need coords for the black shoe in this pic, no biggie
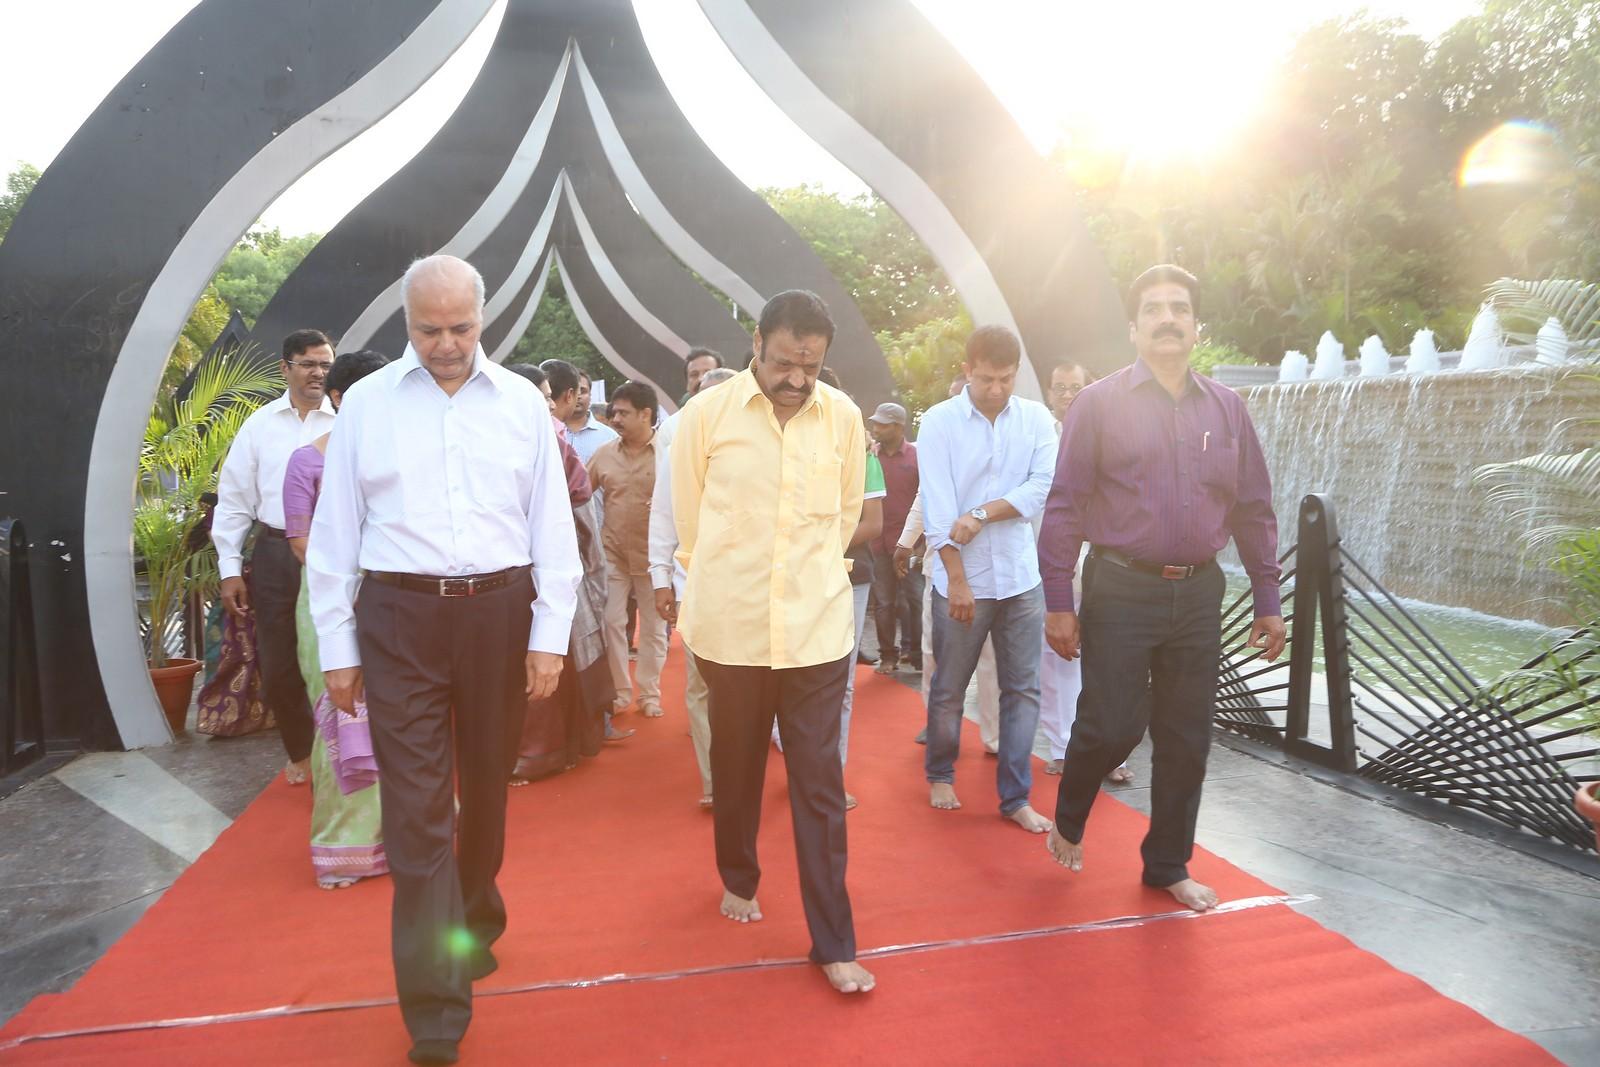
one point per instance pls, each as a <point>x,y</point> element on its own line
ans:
<point>922,738</point>
<point>433,1050</point>
<point>862,657</point>
<point>482,965</point>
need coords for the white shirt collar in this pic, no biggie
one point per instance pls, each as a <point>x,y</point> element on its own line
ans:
<point>284,403</point>
<point>481,365</point>
<point>969,408</point>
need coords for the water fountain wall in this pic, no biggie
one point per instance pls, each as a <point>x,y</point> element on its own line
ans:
<point>1397,453</point>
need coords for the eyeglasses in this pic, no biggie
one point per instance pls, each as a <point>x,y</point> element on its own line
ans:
<point>306,364</point>
<point>1066,390</point>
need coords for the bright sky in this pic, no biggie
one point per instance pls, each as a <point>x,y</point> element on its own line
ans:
<point>1051,62</point>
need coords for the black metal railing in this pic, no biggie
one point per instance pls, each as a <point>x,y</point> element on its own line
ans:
<point>21,716</point>
<point>1367,690</point>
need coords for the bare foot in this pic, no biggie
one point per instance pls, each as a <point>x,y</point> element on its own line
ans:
<point>297,771</point>
<point>650,711</point>
<point>1054,766</point>
<point>1191,894</point>
<point>739,909</point>
<point>1121,776</point>
<point>343,883</point>
<point>849,977</point>
<point>1063,851</point>
<point>1031,820</point>
<point>849,802</point>
<point>942,795</point>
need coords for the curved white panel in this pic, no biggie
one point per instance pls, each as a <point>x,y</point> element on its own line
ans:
<point>854,146</point>
<point>525,316</point>
<point>490,214</point>
<point>606,348</point>
<point>108,511</point>
<point>525,264</point>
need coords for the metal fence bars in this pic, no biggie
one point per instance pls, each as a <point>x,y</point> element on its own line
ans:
<point>1367,690</point>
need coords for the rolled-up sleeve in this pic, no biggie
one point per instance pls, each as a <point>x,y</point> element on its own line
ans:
<point>1062,533</point>
<point>1029,497</point>
<point>553,546</point>
<point>912,531</point>
<point>333,555</point>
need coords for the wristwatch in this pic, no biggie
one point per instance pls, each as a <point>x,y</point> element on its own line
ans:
<point>981,514</point>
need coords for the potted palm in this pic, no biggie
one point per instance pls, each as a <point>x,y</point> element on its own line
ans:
<point>185,442</point>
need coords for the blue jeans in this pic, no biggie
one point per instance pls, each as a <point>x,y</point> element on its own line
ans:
<point>1017,624</point>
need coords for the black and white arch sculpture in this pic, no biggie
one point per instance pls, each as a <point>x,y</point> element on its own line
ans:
<point>567,150</point>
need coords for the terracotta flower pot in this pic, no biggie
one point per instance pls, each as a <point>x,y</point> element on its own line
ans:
<point>174,686</point>
<point>1588,804</point>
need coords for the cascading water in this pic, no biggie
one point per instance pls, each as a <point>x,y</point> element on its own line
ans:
<point>1294,367</point>
<point>1485,348</point>
<point>1398,453</point>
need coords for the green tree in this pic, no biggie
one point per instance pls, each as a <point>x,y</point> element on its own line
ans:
<point>873,254</point>
<point>19,183</point>
<point>925,359</point>
<point>257,267</point>
<point>556,333</point>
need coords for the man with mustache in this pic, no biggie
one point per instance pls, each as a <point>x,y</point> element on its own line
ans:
<point>250,493</point>
<point>768,471</point>
<point>1158,467</point>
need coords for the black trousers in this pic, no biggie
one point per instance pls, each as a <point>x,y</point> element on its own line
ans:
<point>897,600</point>
<point>1150,649</point>
<point>807,702</point>
<point>445,682</point>
<point>274,589</point>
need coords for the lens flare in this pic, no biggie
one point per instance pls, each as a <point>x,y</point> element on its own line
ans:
<point>461,943</point>
<point>1513,154</point>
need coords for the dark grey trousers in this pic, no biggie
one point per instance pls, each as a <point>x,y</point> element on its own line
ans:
<point>274,589</point>
<point>807,702</point>
<point>1150,650</point>
<point>445,682</point>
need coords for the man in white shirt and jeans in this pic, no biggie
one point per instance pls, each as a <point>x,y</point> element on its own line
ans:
<point>250,493</point>
<point>985,460</point>
<point>443,484</point>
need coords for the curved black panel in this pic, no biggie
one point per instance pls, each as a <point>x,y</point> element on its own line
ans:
<point>731,221</point>
<point>103,221</point>
<point>874,59</point>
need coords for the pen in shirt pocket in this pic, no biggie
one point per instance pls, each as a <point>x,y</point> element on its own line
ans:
<point>1205,440</point>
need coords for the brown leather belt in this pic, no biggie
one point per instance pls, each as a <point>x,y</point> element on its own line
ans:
<point>1173,572</point>
<point>450,585</point>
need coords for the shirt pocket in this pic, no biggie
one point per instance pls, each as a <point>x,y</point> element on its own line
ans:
<point>1219,466</point>
<point>822,495</point>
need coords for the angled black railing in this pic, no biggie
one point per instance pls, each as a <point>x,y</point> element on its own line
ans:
<point>1367,690</point>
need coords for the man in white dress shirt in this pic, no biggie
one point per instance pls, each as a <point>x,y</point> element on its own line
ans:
<point>443,484</point>
<point>667,577</point>
<point>250,492</point>
<point>985,459</point>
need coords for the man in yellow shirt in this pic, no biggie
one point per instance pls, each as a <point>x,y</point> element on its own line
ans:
<point>767,476</point>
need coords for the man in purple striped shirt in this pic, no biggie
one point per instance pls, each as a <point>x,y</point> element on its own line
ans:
<point>1158,467</point>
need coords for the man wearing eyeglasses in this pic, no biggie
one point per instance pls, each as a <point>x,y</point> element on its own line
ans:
<point>250,493</point>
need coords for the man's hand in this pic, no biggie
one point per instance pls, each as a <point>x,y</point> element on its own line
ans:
<point>667,605</point>
<point>235,597</point>
<point>345,687</point>
<point>960,601</point>
<point>1270,633</point>
<point>964,529</point>
<point>544,671</point>
<point>902,561</point>
<point>1061,633</point>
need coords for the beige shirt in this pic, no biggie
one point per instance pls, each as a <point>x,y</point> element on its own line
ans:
<point>628,480</point>
<point>764,514</point>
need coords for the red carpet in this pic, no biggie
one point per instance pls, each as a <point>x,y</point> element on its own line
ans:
<point>609,871</point>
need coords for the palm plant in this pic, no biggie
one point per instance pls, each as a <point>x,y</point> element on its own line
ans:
<point>179,462</point>
<point>1554,496</point>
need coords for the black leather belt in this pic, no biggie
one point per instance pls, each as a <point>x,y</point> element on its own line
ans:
<point>1173,572</point>
<point>451,585</point>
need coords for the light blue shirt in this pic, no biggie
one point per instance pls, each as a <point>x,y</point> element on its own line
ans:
<point>594,434</point>
<point>965,461</point>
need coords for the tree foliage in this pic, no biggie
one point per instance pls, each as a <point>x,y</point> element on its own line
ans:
<point>556,333</point>
<point>257,267</point>
<point>19,183</point>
